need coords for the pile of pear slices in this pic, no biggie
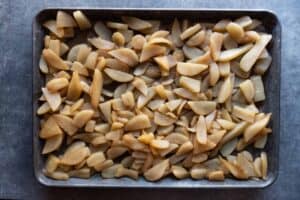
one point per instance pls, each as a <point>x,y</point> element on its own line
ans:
<point>135,97</point>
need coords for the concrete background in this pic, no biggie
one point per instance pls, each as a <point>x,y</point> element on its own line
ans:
<point>16,171</point>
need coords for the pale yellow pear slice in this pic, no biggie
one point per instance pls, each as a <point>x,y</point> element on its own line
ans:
<point>185,148</point>
<point>43,109</point>
<point>160,144</point>
<point>54,45</point>
<point>201,130</point>
<point>244,113</point>
<point>225,90</point>
<point>252,130</point>
<point>143,100</point>
<point>96,88</point>
<point>220,26</point>
<point>190,31</point>
<point>138,122</point>
<point>118,76</point>
<point>54,60</point>
<point>202,107</point>
<point>118,39</point>
<point>235,31</point>
<point>160,34</point>
<point>165,62</point>
<point>175,33</point>
<point>77,66</point>
<point>190,69</point>
<point>49,129</point>
<point>65,123</point>
<point>173,104</point>
<point>136,23</point>
<point>179,172</point>
<point>75,88</point>
<point>91,60</point>
<point>140,84</point>
<point>244,21</point>
<point>102,30</point>
<point>248,90</point>
<point>57,84</point>
<point>249,59</point>
<point>101,43</point>
<point>106,110</point>
<point>138,42</point>
<point>75,154</point>
<point>216,41</point>
<point>82,21</point>
<point>51,26</point>
<point>162,119</point>
<point>160,41</point>
<point>63,19</point>
<point>151,50</point>
<point>157,171</point>
<point>214,73</point>
<point>125,55</point>
<point>54,99</point>
<point>95,159</point>
<point>52,144</point>
<point>82,117</point>
<point>191,84</point>
<point>231,54</point>
<point>196,39</point>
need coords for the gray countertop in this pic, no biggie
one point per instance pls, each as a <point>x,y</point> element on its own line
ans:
<point>16,171</point>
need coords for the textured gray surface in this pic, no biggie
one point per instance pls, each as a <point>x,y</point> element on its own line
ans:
<point>16,172</point>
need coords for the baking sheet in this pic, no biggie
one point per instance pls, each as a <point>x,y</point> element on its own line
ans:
<point>272,87</point>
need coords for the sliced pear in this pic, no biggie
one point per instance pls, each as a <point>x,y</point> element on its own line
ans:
<point>231,54</point>
<point>77,66</point>
<point>63,19</point>
<point>190,69</point>
<point>249,59</point>
<point>138,122</point>
<point>196,39</point>
<point>201,130</point>
<point>101,43</point>
<point>141,85</point>
<point>163,120</point>
<point>54,99</point>
<point>49,129</point>
<point>190,31</point>
<point>220,26</point>
<point>136,23</point>
<point>125,55</point>
<point>82,117</point>
<point>216,41</point>
<point>191,84</point>
<point>57,84</point>
<point>54,60</point>
<point>75,154</point>
<point>101,29</point>
<point>75,88</point>
<point>65,123</point>
<point>118,76</point>
<point>252,130</point>
<point>202,107</point>
<point>157,171</point>
<point>96,88</point>
<point>235,31</point>
<point>225,90</point>
<point>52,144</point>
<point>82,21</point>
<point>151,50</point>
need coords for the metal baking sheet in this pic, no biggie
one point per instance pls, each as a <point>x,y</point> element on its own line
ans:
<point>271,80</point>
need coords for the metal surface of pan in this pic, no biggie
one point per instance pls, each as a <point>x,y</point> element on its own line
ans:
<point>271,104</point>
